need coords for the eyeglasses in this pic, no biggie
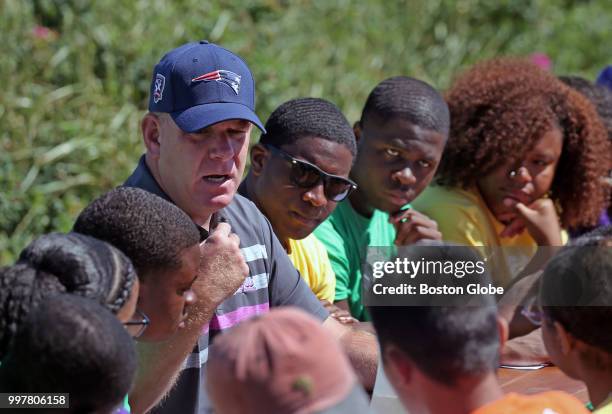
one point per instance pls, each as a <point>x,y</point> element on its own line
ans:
<point>306,175</point>
<point>137,325</point>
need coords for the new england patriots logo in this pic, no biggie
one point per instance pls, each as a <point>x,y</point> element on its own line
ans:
<point>158,87</point>
<point>225,77</point>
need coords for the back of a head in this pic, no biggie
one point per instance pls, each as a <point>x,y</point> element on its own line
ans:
<point>282,362</point>
<point>57,263</point>
<point>462,337</point>
<point>410,99</point>
<point>151,231</point>
<point>576,288</point>
<point>308,117</point>
<point>70,344</point>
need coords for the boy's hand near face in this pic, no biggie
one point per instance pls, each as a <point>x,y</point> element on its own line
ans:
<point>222,267</point>
<point>541,221</point>
<point>412,226</point>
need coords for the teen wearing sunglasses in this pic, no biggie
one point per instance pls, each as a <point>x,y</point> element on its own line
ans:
<point>400,139</point>
<point>299,173</point>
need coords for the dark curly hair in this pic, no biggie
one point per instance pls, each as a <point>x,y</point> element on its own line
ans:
<point>151,231</point>
<point>302,117</point>
<point>62,263</point>
<point>501,108</point>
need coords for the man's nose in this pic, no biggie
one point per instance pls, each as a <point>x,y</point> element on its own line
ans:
<point>221,148</point>
<point>405,176</point>
<point>316,195</point>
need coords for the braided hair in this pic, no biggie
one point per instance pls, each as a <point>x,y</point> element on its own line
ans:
<point>62,263</point>
<point>72,344</point>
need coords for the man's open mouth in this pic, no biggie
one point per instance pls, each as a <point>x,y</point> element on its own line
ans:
<point>216,178</point>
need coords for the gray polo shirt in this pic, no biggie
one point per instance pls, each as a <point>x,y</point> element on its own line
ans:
<point>272,281</point>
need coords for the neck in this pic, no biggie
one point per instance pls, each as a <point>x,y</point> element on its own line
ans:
<point>251,193</point>
<point>464,397</point>
<point>360,204</point>
<point>598,383</point>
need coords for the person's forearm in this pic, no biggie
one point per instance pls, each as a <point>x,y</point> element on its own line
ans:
<point>362,350</point>
<point>159,364</point>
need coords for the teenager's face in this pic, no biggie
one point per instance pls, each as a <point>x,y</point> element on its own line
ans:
<point>201,171</point>
<point>396,160</point>
<point>294,211</point>
<point>166,295</point>
<point>524,181</point>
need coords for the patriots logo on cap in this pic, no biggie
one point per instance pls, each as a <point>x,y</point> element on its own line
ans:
<point>225,77</point>
<point>158,87</point>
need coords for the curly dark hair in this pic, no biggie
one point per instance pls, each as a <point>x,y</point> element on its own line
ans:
<point>303,117</point>
<point>62,263</point>
<point>151,231</point>
<point>501,108</point>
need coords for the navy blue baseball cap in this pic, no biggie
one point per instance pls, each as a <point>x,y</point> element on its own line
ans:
<point>200,84</point>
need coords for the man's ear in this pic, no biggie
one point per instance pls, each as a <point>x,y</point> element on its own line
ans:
<point>259,157</point>
<point>357,130</point>
<point>398,367</point>
<point>151,131</point>
<point>566,341</point>
<point>503,329</point>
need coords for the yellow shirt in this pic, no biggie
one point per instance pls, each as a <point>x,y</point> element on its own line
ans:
<point>464,218</point>
<point>310,258</point>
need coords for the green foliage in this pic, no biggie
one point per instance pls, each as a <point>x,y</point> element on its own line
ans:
<point>72,97</point>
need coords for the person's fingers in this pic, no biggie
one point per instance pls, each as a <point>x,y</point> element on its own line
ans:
<point>222,229</point>
<point>515,227</point>
<point>413,232</point>
<point>525,212</point>
<point>401,216</point>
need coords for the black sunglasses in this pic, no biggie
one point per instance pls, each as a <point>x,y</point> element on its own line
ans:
<point>137,326</point>
<point>306,175</point>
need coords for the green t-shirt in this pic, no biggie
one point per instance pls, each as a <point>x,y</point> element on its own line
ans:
<point>346,235</point>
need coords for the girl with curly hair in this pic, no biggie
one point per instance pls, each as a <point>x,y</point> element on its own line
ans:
<point>525,159</point>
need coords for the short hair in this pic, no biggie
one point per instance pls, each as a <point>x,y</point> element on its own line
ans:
<point>151,231</point>
<point>462,340</point>
<point>599,96</point>
<point>303,117</point>
<point>501,108</point>
<point>410,99</point>
<point>576,288</point>
<point>58,263</point>
<point>70,344</point>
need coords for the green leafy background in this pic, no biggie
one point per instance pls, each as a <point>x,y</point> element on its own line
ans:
<point>72,96</point>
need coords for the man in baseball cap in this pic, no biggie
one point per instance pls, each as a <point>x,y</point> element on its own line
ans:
<point>196,134</point>
<point>200,84</point>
